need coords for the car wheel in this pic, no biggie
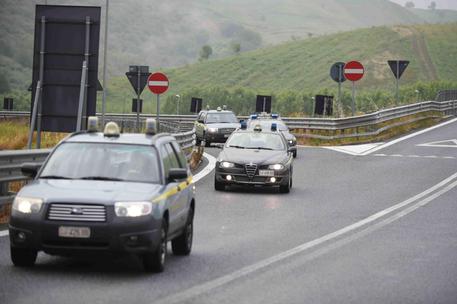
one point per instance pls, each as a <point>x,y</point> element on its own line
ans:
<point>198,142</point>
<point>286,188</point>
<point>294,154</point>
<point>155,261</point>
<point>218,185</point>
<point>182,245</point>
<point>22,257</point>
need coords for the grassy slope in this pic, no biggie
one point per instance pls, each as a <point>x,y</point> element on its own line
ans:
<point>305,64</point>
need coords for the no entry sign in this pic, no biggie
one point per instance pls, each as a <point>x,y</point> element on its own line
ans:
<point>354,70</point>
<point>158,83</point>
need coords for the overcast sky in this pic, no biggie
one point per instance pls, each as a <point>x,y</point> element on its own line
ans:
<point>443,4</point>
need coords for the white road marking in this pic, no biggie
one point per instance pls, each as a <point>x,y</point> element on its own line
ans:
<point>209,167</point>
<point>393,142</point>
<point>396,155</point>
<point>210,285</point>
<point>430,156</point>
<point>380,154</point>
<point>205,171</point>
<point>450,143</point>
<point>354,149</point>
<point>415,156</point>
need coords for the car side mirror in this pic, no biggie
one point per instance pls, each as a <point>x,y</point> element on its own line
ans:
<point>30,169</point>
<point>177,174</point>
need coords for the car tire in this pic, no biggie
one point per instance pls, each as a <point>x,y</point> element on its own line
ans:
<point>23,257</point>
<point>182,245</point>
<point>198,142</point>
<point>207,144</point>
<point>218,186</point>
<point>155,261</point>
<point>294,154</point>
<point>286,188</point>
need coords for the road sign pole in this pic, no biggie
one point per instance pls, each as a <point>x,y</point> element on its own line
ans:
<point>34,114</point>
<point>158,113</point>
<point>138,102</point>
<point>397,78</point>
<point>264,104</point>
<point>339,104</point>
<point>41,76</point>
<point>353,98</point>
<point>82,90</point>
<point>105,51</point>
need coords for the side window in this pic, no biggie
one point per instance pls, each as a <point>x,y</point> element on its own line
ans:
<point>182,159</point>
<point>203,117</point>
<point>165,159</point>
<point>174,163</point>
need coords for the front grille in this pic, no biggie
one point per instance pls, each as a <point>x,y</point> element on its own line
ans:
<point>226,130</point>
<point>251,169</point>
<point>77,212</point>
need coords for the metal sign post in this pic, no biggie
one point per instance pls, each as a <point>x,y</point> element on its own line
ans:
<point>337,74</point>
<point>138,93</point>
<point>398,67</point>
<point>158,113</point>
<point>34,114</point>
<point>353,99</point>
<point>82,93</point>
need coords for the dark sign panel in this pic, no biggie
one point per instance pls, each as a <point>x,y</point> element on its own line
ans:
<point>337,72</point>
<point>135,105</point>
<point>196,105</point>
<point>64,45</point>
<point>324,105</point>
<point>263,104</point>
<point>398,67</point>
<point>8,104</point>
<point>132,75</point>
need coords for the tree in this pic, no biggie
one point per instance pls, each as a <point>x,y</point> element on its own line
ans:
<point>236,47</point>
<point>432,5</point>
<point>410,4</point>
<point>205,52</point>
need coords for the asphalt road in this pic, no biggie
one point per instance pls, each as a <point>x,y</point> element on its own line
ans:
<point>379,228</point>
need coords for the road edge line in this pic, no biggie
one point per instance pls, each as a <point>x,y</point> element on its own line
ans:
<point>393,142</point>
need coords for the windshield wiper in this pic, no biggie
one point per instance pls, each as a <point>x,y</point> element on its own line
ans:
<point>102,178</point>
<point>238,147</point>
<point>55,177</point>
<point>259,148</point>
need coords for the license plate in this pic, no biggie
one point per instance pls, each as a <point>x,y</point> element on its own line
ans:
<point>266,173</point>
<point>74,232</point>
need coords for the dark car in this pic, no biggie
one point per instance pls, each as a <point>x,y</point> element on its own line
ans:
<point>266,121</point>
<point>106,193</point>
<point>215,126</point>
<point>258,157</point>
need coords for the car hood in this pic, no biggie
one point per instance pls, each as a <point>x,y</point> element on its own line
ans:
<point>89,191</point>
<point>223,125</point>
<point>246,156</point>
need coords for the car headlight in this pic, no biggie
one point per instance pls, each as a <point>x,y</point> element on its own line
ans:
<point>27,204</point>
<point>212,130</point>
<point>276,167</point>
<point>132,209</point>
<point>226,164</point>
<point>292,142</point>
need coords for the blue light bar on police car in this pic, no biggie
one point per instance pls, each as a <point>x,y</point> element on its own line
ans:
<point>253,116</point>
<point>274,127</point>
<point>243,124</point>
<point>274,115</point>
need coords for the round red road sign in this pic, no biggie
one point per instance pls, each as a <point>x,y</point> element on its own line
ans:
<point>158,83</point>
<point>354,70</point>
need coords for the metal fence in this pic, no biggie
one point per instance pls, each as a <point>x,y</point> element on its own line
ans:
<point>11,161</point>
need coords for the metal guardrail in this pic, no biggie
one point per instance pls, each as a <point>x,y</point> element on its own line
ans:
<point>11,161</point>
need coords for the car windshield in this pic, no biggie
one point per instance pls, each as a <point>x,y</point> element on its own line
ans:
<point>221,118</point>
<point>266,124</point>
<point>256,140</point>
<point>99,161</point>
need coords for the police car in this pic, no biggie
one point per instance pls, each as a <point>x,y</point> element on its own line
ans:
<point>259,157</point>
<point>106,193</point>
<point>266,120</point>
<point>215,126</point>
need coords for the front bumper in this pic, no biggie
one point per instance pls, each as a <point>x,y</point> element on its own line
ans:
<point>240,177</point>
<point>115,236</point>
<point>216,137</point>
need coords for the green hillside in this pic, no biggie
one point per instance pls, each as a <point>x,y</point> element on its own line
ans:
<point>164,34</point>
<point>431,49</point>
